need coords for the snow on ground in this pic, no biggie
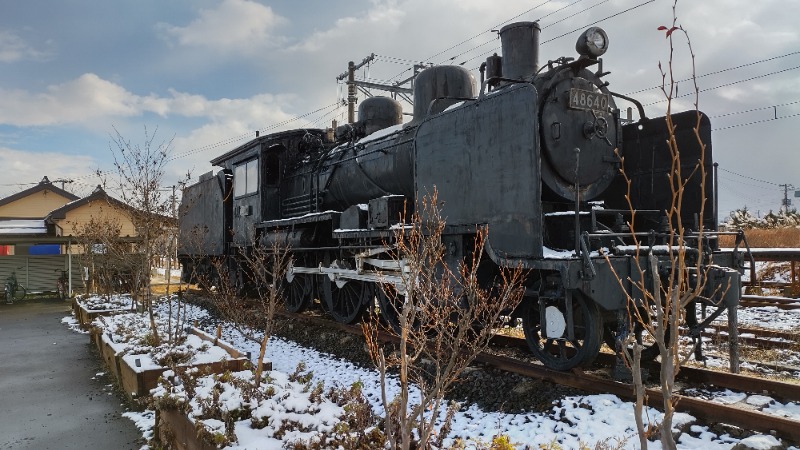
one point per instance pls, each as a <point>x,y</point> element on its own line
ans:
<point>571,422</point>
<point>72,323</point>
<point>98,303</point>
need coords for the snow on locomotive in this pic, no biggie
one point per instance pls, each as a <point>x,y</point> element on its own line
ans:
<point>531,154</point>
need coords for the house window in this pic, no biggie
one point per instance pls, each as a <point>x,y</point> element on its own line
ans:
<point>245,178</point>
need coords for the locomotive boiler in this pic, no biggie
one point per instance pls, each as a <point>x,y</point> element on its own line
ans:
<point>533,151</point>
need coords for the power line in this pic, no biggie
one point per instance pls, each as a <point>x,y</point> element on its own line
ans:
<point>770,189</point>
<point>762,108</point>
<point>716,72</point>
<point>479,34</point>
<point>756,122</point>
<point>245,136</point>
<point>748,177</point>
<point>732,83</point>
<point>600,20</point>
<point>539,19</point>
<point>497,26</point>
<point>619,13</point>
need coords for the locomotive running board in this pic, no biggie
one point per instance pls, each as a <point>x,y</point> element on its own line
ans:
<point>342,276</point>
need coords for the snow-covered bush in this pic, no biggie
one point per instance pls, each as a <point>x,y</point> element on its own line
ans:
<point>744,219</point>
<point>106,302</point>
<point>228,409</point>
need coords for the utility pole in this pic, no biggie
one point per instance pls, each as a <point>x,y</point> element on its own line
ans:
<point>62,181</point>
<point>351,85</point>
<point>172,248</point>
<point>786,202</point>
<point>396,88</point>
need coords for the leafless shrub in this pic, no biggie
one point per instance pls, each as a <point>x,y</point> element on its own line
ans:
<point>265,268</point>
<point>446,318</point>
<point>140,175</point>
<point>657,303</point>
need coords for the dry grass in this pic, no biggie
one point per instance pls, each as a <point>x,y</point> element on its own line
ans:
<point>775,238</point>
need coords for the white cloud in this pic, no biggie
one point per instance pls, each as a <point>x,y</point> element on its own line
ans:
<point>24,168</point>
<point>382,20</point>
<point>14,48</point>
<point>81,100</point>
<point>89,99</point>
<point>239,26</point>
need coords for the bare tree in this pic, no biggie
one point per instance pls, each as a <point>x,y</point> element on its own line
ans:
<point>102,252</point>
<point>445,318</point>
<point>266,266</point>
<point>140,175</point>
<point>657,303</point>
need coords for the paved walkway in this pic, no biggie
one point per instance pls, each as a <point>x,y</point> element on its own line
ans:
<point>50,394</point>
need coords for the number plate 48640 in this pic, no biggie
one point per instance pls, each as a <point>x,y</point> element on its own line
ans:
<point>582,99</point>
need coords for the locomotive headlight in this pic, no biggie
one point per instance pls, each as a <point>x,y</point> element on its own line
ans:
<point>592,43</point>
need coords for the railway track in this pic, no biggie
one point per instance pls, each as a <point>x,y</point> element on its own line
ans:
<point>705,410</point>
<point>755,301</point>
<point>756,337</point>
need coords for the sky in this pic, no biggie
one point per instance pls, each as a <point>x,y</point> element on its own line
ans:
<point>205,75</point>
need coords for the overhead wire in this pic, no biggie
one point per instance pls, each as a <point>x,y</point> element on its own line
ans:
<point>619,13</point>
<point>762,108</point>
<point>477,35</point>
<point>717,72</point>
<point>245,136</point>
<point>732,83</point>
<point>748,177</point>
<point>539,19</point>
<point>756,122</point>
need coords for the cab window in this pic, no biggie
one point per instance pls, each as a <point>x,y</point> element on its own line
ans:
<point>245,178</point>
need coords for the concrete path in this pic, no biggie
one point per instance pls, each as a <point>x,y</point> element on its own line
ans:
<point>50,394</point>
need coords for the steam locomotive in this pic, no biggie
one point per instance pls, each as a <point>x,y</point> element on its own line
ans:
<point>535,154</point>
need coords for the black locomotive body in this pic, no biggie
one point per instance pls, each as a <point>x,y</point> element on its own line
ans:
<point>534,155</point>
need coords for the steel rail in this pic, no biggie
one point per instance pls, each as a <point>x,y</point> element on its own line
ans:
<point>701,409</point>
<point>786,391</point>
<point>754,301</point>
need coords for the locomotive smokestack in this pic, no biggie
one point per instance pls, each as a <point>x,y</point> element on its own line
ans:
<point>520,44</point>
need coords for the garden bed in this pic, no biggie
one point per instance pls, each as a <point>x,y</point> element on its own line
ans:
<point>218,410</point>
<point>125,344</point>
<point>175,430</point>
<point>86,310</point>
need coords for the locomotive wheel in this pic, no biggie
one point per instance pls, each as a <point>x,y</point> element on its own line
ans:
<point>348,303</point>
<point>554,348</point>
<point>649,348</point>
<point>391,304</point>
<point>299,293</point>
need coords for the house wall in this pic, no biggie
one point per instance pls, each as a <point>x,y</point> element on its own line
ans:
<point>77,219</point>
<point>36,205</point>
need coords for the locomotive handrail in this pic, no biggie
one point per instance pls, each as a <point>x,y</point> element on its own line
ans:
<point>589,272</point>
<point>642,116</point>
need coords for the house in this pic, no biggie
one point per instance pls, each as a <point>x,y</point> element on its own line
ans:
<point>101,230</point>
<point>40,233</point>
<point>73,218</point>
<point>22,219</point>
